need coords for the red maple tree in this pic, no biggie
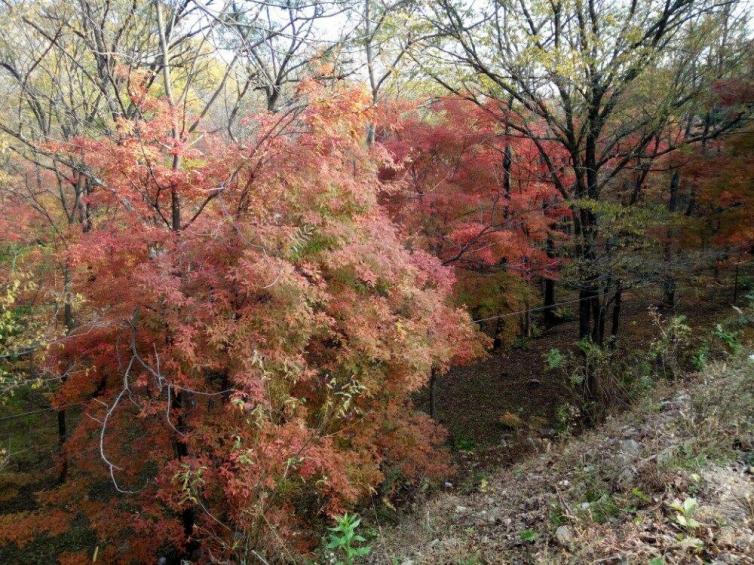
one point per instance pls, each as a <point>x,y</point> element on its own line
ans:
<point>249,329</point>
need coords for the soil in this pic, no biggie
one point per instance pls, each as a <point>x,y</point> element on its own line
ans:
<point>612,495</point>
<point>471,400</point>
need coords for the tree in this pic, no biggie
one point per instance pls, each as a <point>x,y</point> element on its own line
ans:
<point>384,51</point>
<point>577,75</point>
<point>475,196</point>
<point>68,70</point>
<point>248,368</point>
<point>277,43</point>
<point>724,194</point>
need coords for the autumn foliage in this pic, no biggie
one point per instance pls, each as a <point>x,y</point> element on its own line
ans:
<point>475,194</point>
<point>238,327</point>
<point>248,329</point>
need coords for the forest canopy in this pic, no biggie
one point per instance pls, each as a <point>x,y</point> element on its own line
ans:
<point>241,239</point>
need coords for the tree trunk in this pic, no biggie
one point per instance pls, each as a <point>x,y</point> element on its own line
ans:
<point>497,342</point>
<point>616,313</point>
<point>188,515</point>
<point>586,295</point>
<point>183,399</point>
<point>549,290</point>
<point>549,303</point>
<point>525,321</point>
<point>588,290</point>
<point>600,310</point>
<point>669,283</point>
<point>61,414</point>
<point>432,393</point>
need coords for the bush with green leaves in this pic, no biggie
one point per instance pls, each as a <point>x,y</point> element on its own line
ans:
<point>344,544</point>
<point>554,359</point>
<point>725,337</point>
<point>670,349</point>
<point>728,336</point>
<point>700,358</point>
<point>602,377</point>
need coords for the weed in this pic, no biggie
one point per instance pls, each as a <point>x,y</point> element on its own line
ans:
<point>684,514</point>
<point>670,348</point>
<point>554,359</point>
<point>521,342</point>
<point>511,421</point>
<point>345,542</point>
<point>463,443</point>
<point>700,357</point>
<point>557,516</point>
<point>729,337</point>
<point>476,482</point>
<point>602,507</point>
<point>567,416</point>
<point>529,536</point>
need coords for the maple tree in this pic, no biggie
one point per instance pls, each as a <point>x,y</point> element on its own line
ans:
<point>719,173</point>
<point>478,197</point>
<point>249,331</point>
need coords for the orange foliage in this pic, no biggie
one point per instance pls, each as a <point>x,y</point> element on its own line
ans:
<point>473,193</point>
<point>247,366</point>
<point>22,527</point>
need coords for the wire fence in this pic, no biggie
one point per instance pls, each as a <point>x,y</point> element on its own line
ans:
<point>7,454</point>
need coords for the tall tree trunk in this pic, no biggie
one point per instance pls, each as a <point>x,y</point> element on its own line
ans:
<point>549,303</point>
<point>432,393</point>
<point>69,323</point>
<point>617,299</point>
<point>588,292</point>
<point>497,341</point>
<point>549,288</point>
<point>586,298</point>
<point>669,283</point>
<point>183,398</point>
<point>600,311</point>
<point>525,321</point>
<point>587,230</point>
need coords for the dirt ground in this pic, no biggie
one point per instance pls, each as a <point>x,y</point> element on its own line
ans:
<point>471,400</point>
<point>670,481</point>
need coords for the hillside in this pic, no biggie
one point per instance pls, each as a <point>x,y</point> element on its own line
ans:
<point>620,493</point>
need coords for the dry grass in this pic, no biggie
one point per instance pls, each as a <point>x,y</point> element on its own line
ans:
<point>611,488</point>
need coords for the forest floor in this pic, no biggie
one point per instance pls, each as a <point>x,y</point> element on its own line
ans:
<point>528,493</point>
<point>669,481</point>
<point>471,400</point>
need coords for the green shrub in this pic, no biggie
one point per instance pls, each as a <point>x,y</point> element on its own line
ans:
<point>344,543</point>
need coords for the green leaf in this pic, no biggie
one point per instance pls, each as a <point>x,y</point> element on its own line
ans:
<point>528,535</point>
<point>689,505</point>
<point>692,543</point>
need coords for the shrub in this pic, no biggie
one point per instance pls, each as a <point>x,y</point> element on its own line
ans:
<point>246,358</point>
<point>603,377</point>
<point>345,542</point>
